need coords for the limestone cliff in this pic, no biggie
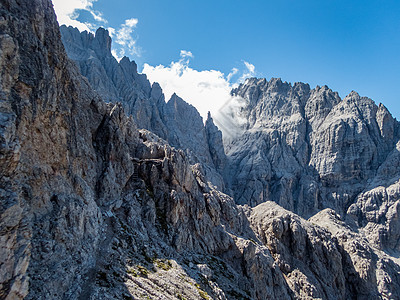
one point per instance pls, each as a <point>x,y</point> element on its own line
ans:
<point>307,150</point>
<point>94,208</point>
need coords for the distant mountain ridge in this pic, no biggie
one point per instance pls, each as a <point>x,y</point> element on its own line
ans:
<point>307,150</point>
<point>108,192</point>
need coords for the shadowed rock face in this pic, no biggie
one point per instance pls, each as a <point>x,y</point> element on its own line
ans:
<point>94,208</point>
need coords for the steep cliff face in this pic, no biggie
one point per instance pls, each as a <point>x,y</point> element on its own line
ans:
<point>48,116</point>
<point>310,144</point>
<point>115,82</point>
<point>94,208</point>
<point>322,258</point>
<point>215,143</point>
<point>308,150</point>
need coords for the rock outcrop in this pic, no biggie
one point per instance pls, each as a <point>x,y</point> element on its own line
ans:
<point>93,206</point>
<point>314,149</point>
<point>322,258</point>
<point>115,82</point>
<point>215,143</point>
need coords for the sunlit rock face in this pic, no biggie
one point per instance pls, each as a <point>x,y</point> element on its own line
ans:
<point>307,149</point>
<point>312,149</point>
<point>108,192</point>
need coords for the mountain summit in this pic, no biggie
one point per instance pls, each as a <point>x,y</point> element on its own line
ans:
<point>109,192</point>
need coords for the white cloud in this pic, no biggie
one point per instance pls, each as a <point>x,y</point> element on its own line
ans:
<point>66,12</point>
<point>111,31</point>
<point>207,90</point>
<point>232,73</point>
<point>250,67</point>
<point>98,16</point>
<point>125,39</point>
<point>130,23</point>
<point>250,72</point>
<point>185,54</point>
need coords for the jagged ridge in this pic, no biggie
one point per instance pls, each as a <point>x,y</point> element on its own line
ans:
<point>94,208</point>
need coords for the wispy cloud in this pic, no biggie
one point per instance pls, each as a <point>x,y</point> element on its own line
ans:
<point>125,43</point>
<point>250,71</point>
<point>186,54</point>
<point>232,73</point>
<point>125,39</point>
<point>98,16</point>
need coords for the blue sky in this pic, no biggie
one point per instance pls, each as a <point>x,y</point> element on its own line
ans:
<point>347,45</point>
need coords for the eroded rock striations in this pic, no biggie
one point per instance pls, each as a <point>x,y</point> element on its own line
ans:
<point>94,208</point>
<point>307,150</point>
<point>97,204</point>
<point>315,149</point>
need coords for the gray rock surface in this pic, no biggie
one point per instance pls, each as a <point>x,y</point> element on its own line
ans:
<point>94,208</point>
<point>370,272</point>
<point>322,258</point>
<point>215,144</point>
<point>88,201</point>
<point>308,150</point>
<point>115,82</point>
<point>313,149</point>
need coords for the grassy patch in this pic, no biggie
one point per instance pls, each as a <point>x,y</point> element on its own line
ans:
<point>203,294</point>
<point>143,271</point>
<point>164,265</point>
<point>253,241</point>
<point>132,271</point>
<point>180,297</point>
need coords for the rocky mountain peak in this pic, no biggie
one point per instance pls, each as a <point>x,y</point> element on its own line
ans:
<point>157,94</point>
<point>275,85</point>
<point>319,104</point>
<point>301,88</point>
<point>179,104</point>
<point>215,144</point>
<point>107,192</point>
<point>80,42</point>
<point>387,124</point>
<point>102,41</point>
<point>126,63</point>
<point>353,95</point>
<point>294,124</point>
